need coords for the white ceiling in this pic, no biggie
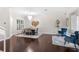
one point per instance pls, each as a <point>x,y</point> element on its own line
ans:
<point>43,10</point>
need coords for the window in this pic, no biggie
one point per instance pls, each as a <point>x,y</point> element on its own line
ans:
<point>20,24</point>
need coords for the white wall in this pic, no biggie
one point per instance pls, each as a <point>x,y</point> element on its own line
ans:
<point>13,21</point>
<point>4,17</point>
<point>77,23</point>
<point>27,22</point>
<point>47,18</point>
<point>73,22</point>
<point>48,24</point>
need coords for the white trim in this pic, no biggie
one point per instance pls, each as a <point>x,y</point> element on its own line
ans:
<point>4,40</point>
<point>9,37</point>
<point>49,33</point>
<point>3,28</point>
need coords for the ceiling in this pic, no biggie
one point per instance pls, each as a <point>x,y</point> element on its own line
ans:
<point>24,11</point>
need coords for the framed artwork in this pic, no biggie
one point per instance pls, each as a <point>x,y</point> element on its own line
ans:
<point>57,23</point>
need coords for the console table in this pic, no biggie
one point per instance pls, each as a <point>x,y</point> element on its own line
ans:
<point>28,36</point>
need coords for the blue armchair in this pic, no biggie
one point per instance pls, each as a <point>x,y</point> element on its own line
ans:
<point>63,31</point>
<point>72,38</point>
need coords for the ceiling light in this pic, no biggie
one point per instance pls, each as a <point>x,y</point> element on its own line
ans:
<point>30,13</point>
<point>29,17</point>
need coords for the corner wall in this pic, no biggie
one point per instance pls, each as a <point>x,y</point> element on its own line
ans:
<point>4,19</point>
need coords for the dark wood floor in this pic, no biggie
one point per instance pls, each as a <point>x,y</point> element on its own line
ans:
<point>42,44</point>
<point>1,45</point>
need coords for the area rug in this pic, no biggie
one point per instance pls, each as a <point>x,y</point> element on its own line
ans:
<point>59,40</point>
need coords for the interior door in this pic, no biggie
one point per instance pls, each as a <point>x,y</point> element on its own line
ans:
<point>73,23</point>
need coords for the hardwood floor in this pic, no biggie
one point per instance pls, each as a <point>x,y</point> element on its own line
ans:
<point>1,46</point>
<point>7,45</point>
<point>42,44</point>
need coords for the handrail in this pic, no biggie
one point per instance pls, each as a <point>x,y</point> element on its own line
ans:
<point>3,28</point>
